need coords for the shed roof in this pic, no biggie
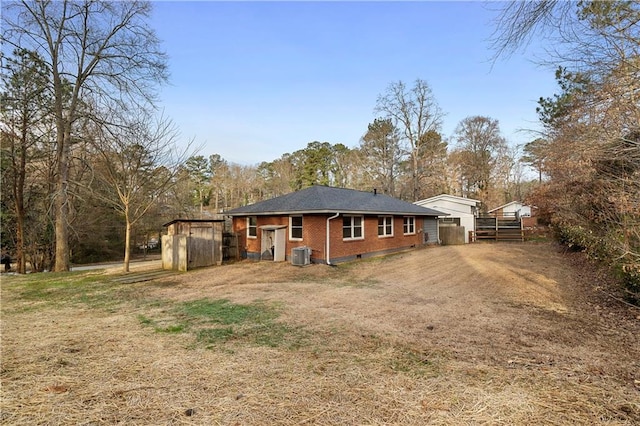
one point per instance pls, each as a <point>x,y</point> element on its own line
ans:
<point>193,221</point>
<point>327,199</point>
<point>451,198</point>
<point>512,203</point>
<point>453,212</point>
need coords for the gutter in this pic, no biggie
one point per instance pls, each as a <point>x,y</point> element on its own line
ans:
<point>329,239</point>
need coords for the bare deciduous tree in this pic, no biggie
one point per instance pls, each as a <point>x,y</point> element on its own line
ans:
<point>480,146</point>
<point>137,163</point>
<point>99,48</point>
<point>520,21</point>
<point>414,111</point>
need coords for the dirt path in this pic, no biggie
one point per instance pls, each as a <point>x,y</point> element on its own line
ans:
<point>486,333</point>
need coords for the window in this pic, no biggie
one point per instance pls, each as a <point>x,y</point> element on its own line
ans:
<point>385,226</point>
<point>409,225</point>
<point>449,221</point>
<point>352,228</point>
<point>252,227</point>
<point>295,227</point>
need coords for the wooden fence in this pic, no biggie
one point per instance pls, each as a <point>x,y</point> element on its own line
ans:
<point>451,235</point>
<point>499,229</point>
<point>230,246</point>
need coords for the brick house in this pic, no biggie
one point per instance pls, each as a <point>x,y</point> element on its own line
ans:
<point>335,224</point>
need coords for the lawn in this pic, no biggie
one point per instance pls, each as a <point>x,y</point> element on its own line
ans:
<point>477,334</point>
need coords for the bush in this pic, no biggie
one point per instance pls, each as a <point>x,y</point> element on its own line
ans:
<point>630,275</point>
<point>602,247</point>
<point>578,238</point>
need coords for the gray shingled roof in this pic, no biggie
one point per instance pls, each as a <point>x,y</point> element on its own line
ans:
<point>326,199</point>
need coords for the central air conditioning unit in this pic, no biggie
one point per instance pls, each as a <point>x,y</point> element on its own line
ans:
<point>301,256</point>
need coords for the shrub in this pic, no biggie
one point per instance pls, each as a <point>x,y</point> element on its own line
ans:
<point>603,246</point>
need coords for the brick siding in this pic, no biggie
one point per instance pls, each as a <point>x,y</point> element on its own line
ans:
<point>314,236</point>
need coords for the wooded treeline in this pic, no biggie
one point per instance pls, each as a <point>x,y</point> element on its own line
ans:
<point>480,165</point>
<point>85,154</point>
<point>89,165</point>
<point>588,155</point>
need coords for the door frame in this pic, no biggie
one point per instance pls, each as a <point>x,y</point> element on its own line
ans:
<point>274,240</point>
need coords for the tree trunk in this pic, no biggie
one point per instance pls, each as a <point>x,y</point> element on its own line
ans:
<point>201,203</point>
<point>20,255</point>
<point>62,205</point>
<point>415,178</point>
<point>18,193</point>
<point>127,243</point>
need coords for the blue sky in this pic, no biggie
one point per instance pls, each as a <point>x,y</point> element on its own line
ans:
<point>254,80</point>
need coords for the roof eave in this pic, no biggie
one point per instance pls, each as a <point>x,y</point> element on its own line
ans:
<point>192,221</point>
<point>452,198</point>
<point>324,211</point>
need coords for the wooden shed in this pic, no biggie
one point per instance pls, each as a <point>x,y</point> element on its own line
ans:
<point>192,243</point>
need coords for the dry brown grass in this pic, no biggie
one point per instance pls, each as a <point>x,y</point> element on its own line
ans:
<point>480,334</point>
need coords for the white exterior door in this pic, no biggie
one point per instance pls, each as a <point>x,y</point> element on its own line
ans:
<point>273,244</point>
<point>279,250</point>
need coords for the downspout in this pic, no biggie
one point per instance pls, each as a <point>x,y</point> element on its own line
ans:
<point>329,239</point>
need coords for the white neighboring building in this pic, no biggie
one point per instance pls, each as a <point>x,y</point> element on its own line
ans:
<point>512,209</point>
<point>462,211</point>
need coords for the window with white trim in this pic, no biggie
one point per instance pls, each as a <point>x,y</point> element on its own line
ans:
<point>352,227</point>
<point>385,226</point>
<point>252,227</point>
<point>295,227</point>
<point>409,225</point>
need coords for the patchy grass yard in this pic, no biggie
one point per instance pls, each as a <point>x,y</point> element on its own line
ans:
<point>478,334</point>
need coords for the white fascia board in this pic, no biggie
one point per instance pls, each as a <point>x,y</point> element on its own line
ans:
<point>453,213</point>
<point>452,198</point>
